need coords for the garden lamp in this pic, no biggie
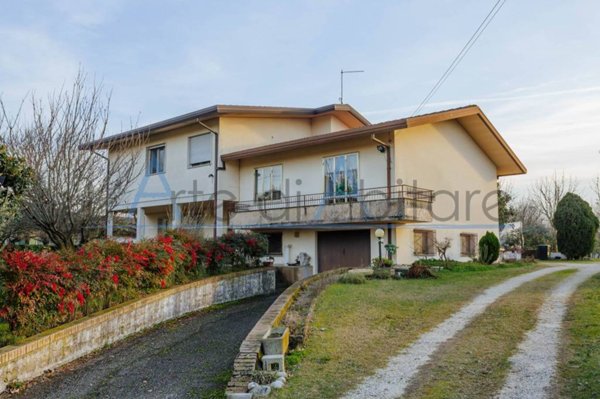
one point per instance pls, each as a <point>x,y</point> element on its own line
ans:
<point>379,233</point>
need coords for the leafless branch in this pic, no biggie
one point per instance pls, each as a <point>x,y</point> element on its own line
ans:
<point>548,191</point>
<point>72,187</point>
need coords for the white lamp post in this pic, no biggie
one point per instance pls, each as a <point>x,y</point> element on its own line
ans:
<point>379,233</point>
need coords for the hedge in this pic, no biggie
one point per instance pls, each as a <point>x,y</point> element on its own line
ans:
<point>43,290</point>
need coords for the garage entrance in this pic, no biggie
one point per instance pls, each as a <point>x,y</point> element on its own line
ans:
<point>345,248</point>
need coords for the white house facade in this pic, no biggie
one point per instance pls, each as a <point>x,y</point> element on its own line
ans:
<point>321,181</point>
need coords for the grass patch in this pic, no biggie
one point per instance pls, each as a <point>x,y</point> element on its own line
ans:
<point>474,364</point>
<point>213,393</point>
<point>352,278</point>
<point>584,261</point>
<point>579,369</point>
<point>456,266</point>
<point>356,328</point>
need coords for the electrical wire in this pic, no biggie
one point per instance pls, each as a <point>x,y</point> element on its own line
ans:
<point>463,52</point>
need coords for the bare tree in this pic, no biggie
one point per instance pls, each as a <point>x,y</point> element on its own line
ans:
<point>548,191</point>
<point>535,229</point>
<point>74,184</point>
<point>442,248</point>
<point>506,196</point>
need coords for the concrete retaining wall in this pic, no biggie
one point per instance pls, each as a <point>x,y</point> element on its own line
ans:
<point>66,343</point>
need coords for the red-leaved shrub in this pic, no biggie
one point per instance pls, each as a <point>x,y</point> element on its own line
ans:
<point>43,290</point>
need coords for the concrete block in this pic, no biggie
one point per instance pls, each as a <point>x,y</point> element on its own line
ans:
<point>273,362</point>
<point>239,395</point>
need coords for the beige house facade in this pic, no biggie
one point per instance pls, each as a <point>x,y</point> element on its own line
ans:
<point>320,181</point>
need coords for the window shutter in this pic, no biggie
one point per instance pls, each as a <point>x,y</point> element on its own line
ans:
<point>473,245</point>
<point>418,242</point>
<point>200,151</point>
<point>430,242</point>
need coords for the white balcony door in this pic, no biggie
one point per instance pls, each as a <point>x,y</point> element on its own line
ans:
<point>341,176</point>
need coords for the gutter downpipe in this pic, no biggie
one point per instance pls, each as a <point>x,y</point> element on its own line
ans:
<point>215,176</point>
<point>388,158</point>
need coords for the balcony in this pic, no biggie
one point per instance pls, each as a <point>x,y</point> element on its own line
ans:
<point>398,204</point>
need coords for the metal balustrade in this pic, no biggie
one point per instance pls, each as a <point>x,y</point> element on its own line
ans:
<point>419,196</point>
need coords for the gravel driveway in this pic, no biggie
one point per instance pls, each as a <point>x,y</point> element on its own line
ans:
<point>186,358</point>
<point>533,367</point>
<point>391,381</point>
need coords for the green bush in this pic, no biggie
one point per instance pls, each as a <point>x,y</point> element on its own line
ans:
<point>44,289</point>
<point>381,273</point>
<point>294,357</point>
<point>489,248</point>
<point>6,336</point>
<point>384,262</point>
<point>576,226</point>
<point>352,278</point>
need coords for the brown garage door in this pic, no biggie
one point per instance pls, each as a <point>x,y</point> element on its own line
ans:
<point>351,248</point>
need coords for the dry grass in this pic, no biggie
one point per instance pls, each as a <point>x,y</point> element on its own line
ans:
<point>579,369</point>
<point>474,364</point>
<point>358,327</point>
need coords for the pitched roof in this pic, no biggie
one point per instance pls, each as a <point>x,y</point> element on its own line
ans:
<point>352,116</point>
<point>470,117</point>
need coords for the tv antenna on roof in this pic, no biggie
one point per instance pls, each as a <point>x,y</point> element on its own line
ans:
<point>342,72</point>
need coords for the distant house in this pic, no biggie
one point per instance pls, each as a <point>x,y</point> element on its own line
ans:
<point>320,181</point>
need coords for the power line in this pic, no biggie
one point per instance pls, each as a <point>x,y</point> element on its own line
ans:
<point>478,32</point>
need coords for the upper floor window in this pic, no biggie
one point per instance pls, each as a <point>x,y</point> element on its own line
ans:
<point>468,244</point>
<point>155,160</point>
<point>341,175</point>
<point>268,182</point>
<point>199,150</point>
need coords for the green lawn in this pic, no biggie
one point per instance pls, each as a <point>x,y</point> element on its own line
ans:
<point>580,365</point>
<point>358,327</point>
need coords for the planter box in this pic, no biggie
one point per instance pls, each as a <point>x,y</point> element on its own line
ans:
<point>291,274</point>
<point>277,342</point>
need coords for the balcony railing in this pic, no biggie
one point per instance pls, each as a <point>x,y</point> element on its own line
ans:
<point>399,192</point>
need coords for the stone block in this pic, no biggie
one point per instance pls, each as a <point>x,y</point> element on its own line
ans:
<point>273,362</point>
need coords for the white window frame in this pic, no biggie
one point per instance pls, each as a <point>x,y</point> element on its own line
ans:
<point>357,153</point>
<point>256,181</point>
<point>148,152</point>
<point>189,144</point>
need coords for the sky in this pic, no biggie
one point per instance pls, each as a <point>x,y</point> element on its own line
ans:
<point>535,71</point>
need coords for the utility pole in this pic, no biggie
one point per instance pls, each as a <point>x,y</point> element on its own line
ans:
<point>342,72</point>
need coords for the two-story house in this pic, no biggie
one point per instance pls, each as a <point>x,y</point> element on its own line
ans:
<point>321,181</point>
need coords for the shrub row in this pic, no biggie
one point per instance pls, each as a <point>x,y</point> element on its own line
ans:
<point>42,290</point>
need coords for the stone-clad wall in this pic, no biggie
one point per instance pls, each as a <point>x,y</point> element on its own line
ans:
<point>251,348</point>
<point>66,343</point>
